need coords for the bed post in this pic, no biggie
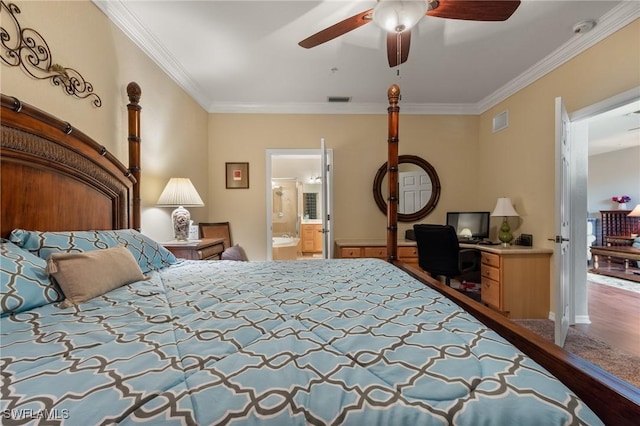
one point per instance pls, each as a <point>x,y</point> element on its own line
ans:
<point>392,167</point>
<point>134,92</point>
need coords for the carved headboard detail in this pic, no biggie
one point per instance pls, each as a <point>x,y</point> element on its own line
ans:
<point>56,178</point>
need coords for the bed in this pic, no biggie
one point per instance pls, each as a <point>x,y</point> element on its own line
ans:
<point>342,341</point>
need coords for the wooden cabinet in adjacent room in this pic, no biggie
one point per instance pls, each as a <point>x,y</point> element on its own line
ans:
<point>311,237</point>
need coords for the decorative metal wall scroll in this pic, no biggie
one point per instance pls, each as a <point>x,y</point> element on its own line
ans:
<point>27,49</point>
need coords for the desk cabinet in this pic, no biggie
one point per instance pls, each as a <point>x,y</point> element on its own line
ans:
<point>517,285</point>
<point>407,251</point>
<point>205,249</point>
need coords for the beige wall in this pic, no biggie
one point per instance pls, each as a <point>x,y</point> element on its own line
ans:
<point>359,144</point>
<point>173,126</point>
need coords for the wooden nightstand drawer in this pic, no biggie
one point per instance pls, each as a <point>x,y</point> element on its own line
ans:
<point>205,249</point>
<point>212,252</point>
<point>350,252</point>
<point>378,252</point>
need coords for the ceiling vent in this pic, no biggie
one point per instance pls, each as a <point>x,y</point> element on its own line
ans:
<point>339,99</point>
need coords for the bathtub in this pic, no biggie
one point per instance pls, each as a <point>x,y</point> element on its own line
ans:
<point>285,248</point>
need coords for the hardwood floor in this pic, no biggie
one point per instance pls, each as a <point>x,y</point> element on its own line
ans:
<point>615,317</point>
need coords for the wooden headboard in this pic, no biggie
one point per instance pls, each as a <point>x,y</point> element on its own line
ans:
<point>56,178</point>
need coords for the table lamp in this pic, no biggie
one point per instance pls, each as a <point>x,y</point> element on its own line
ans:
<point>636,213</point>
<point>180,193</point>
<point>504,208</point>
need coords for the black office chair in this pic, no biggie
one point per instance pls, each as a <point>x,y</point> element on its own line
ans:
<point>440,254</point>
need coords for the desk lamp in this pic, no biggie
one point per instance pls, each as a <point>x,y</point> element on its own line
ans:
<point>180,193</point>
<point>504,208</point>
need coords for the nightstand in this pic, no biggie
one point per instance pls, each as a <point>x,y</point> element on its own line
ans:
<point>204,249</point>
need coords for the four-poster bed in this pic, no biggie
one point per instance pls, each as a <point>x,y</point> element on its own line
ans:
<point>322,342</point>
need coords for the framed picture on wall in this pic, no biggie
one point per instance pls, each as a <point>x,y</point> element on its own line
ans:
<point>237,175</point>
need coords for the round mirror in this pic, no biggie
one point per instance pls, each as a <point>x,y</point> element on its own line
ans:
<point>419,188</point>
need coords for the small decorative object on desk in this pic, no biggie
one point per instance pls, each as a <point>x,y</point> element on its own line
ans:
<point>524,240</point>
<point>622,201</point>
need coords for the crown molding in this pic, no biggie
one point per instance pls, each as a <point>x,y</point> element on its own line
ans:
<point>122,17</point>
<point>614,20</point>
<point>340,108</point>
<point>119,14</point>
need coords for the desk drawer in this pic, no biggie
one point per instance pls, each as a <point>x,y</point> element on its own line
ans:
<point>350,252</point>
<point>490,272</point>
<point>407,252</point>
<point>490,292</point>
<point>379,252</point>
<point>491,259</point>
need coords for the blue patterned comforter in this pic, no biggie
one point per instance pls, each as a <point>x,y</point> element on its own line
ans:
<point>355,342</point>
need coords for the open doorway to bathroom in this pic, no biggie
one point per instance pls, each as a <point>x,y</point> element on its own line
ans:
<point>298,204</point>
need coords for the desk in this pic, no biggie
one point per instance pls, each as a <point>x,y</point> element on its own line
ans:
<point>515,279</point>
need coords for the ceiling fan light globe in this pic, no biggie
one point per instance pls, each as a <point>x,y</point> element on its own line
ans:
<point>399,15</point>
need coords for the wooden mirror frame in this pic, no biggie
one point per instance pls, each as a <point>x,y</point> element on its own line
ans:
<point>428,207</point>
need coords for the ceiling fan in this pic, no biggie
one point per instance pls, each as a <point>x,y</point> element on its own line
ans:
<point>397,18</point>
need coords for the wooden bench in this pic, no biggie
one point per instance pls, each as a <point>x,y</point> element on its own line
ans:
<point>626,253</point>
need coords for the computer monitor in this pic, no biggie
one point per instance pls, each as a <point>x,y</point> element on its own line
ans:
<point>470,225</point>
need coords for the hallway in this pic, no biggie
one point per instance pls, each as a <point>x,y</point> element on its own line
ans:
<point>615,317</point>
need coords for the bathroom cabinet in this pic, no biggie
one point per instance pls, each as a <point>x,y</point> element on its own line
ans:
<point>311,238</point>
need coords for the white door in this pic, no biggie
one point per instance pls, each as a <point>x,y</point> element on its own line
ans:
<point>562,252</point>
<point>414,191</point>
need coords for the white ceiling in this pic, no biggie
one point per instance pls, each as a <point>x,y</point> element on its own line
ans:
<point>243,56</point>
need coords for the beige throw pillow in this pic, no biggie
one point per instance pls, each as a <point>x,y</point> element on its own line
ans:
<point>83,276</point>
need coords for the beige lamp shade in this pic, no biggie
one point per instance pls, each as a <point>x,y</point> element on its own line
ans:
<point>180,192</point>
<point>504,208</point>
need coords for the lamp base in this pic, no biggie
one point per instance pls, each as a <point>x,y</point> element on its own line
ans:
<point>181,220</point>
<point>505,233</point>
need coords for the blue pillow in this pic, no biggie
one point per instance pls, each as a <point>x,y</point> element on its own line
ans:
<point>149,254</point>
<point>43,244</point>
<point>24,281</point>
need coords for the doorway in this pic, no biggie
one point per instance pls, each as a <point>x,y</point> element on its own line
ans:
<point>299,203</point>
<point>579,188</point>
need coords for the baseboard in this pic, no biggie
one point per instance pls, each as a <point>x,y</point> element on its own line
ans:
<point>579,319</point>
<point>582,319</point>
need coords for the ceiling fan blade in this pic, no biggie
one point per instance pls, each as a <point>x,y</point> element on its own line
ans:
<point>398,45</point>
<point>474,10</point>
<point>337,30</point>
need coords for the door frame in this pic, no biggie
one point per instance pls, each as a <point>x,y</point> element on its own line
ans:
<point>327,186</point>
<point>578,180</point>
